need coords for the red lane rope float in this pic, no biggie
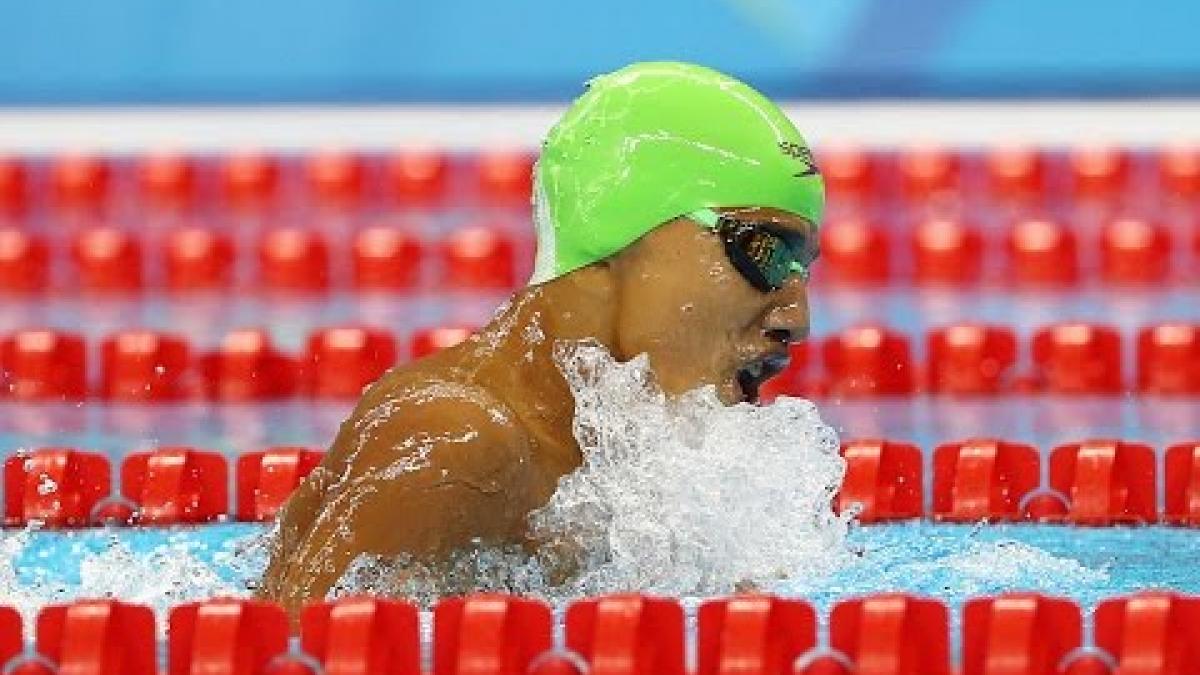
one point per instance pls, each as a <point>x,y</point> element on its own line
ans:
<point>1093,482</point>
<point>24,261</point>
<point>1148,633</point>
<point>479,258</point>
<point>80,183</point>
<point>108,259</point>
<point>14,187</point>
<point>894,634</point>
<point>166,180</point>
<point>1042,252</point>
<point>144,366</point>
<point>386,259</point>
<point>198,258</point>
<point>1151,633</point>
<point>432,340</point>
<point>416,177</point>
<point>176,485</point>
<point>58,487</point>
<point>1069,359</point>
<point>103,637</point>
<point>1179,170</point>
<point>1182,470</point>
<point>335,179</point>
<point>753,634</point>
<point>246,366</point>
<point>929,174</point>
<point>1016,174</point>
<point>1078,358</point>
<point>1168,360</point>
<point>11,640</point>
<point>983,480</point>
<point>504,177</point>
<point>628,635</point>
<point>868,361</point>
<point>947,252</point>
<point>293,259</point>
<point>916,181</point>
<point>249,180</point>
<point>852,175</point>
<point>340,362</point>
<point>266,479</point>
<point>225,636</point>
<point>362,635</point>
<point>1106,482</point>
<point>489,634</point>
<point>1019,633</point>
<point>854,251</point>
<point>1099,172</point>
<point>43,365</point>
<point>971,359</point>
<point>883,480</point>
<point>1135,251</point>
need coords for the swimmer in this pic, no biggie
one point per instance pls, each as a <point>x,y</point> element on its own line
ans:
<point>676,212</point>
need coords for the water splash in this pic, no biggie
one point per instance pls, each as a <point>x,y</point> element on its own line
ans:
<point>1010,563</point>
<point>686,497</point>
<point>690,496</point>
<point>160,568</point>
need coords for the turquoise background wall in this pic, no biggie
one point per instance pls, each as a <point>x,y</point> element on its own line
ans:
<point>196,51</point>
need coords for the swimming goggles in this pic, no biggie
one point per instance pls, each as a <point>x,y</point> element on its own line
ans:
<point>761,251</point>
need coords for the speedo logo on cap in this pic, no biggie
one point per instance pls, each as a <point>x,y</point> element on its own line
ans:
<point>803,155</point>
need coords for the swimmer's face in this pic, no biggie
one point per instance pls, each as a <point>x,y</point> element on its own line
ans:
<point>700,321</point>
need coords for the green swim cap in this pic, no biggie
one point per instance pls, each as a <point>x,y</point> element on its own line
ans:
<point>655,141</point>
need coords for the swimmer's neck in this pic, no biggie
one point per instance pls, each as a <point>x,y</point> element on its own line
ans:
<point>514,354</point>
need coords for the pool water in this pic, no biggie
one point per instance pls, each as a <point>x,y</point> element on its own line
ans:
<point>162,567</point>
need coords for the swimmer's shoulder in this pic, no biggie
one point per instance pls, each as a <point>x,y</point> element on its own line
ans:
<point>426,464</point>
<point>473,430</point>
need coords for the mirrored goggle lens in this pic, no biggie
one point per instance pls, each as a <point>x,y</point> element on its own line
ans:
<point>772,255</point>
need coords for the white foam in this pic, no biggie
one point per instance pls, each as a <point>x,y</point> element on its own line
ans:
<point>167,575</point>
<point>690,497</point>
<point>684,497</point>
<point>1013,563</point>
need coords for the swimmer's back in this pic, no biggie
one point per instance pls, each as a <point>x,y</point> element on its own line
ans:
<point>429,462</point>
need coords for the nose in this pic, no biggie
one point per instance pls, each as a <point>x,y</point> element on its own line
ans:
<point>787,320</point>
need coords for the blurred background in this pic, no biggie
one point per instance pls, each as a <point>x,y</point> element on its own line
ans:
<point>374,51</point>
<point>372,55</point>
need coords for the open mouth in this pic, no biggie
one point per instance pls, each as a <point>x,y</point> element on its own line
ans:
<point>753,373</point>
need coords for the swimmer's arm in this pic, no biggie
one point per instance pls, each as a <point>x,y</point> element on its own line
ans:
<point>451,476</point>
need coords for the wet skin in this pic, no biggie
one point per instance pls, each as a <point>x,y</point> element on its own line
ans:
<point>456,449</point>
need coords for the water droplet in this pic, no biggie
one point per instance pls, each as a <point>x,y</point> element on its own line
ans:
<point>46,485</point>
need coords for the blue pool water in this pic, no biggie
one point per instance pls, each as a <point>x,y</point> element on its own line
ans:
<point>165,566</point>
